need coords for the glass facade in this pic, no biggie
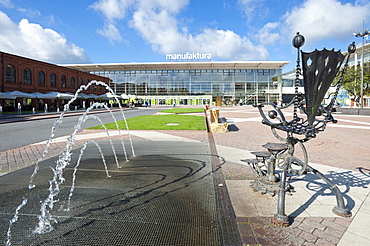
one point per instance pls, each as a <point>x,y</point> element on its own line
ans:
<point>221,86</point>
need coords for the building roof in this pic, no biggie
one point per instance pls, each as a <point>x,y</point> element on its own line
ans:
<point>178,65</point>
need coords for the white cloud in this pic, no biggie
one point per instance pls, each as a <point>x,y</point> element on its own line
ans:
<point>228,45</point>
<point>112,9</point>
<point>6,3</point>
<point>34,41</point>
<point>29,12</point>
<point>319,20</point>
<point>252,8</point>
<point>110,32</point>
<point>266,34</point>
<point>156,22</point>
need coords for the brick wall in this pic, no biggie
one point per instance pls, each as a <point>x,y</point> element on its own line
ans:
<point>22,63</point>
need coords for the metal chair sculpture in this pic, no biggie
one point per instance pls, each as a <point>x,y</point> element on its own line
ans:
<point>319,70</point>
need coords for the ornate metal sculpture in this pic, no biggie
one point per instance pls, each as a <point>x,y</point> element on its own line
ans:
<point>319,70</point>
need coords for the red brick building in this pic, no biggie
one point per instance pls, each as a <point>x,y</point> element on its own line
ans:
<point>28,75</point>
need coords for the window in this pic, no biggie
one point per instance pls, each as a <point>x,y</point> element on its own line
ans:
<point>41,80</point>
<point>64,81</point>
<point>162,72</point>
<point>129,73</point>
<point>27,76</point>
<point>10,73</point>
<point>228,72</point>
<point>72,82</point>
<point>80,82</point>
<point>264,71</point>
<point>239,86</point>
<point>195,72</point>
<point>53,80</point>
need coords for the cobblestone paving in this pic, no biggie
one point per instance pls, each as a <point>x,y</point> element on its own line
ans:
<point>302,231</point>
<point>258,230</point>
<point>20,157</point>
<point>17,158</point>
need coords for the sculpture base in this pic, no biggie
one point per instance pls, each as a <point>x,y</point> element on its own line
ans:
<point>280,220</point>
<point>343,212</point>
<point>271,188</point>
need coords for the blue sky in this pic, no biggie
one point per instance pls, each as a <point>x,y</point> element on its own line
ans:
<point>110,31</point>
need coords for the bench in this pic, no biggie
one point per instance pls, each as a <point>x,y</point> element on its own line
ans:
<point>218,124</point>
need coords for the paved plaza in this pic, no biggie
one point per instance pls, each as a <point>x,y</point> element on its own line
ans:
<point>340,152</point>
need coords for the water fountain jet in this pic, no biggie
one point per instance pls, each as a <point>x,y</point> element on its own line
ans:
<point>45,218</point>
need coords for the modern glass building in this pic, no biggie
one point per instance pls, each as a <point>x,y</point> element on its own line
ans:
<point>192,83</point>
<point>356,57</point>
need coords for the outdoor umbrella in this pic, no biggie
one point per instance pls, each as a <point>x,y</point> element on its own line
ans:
<point>124,96</point>
<point>111,95</point>
<point>103,96</point>
<point>60,95</point>
<point>21,94</point>
<point>83,95</point>
<point>6,95</point>
<point>92,95</point>
<point>41,95</point>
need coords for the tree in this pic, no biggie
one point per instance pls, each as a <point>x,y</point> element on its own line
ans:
<point>352,81</point>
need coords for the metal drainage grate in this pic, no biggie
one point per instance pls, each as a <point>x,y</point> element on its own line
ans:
<point>153,200</point>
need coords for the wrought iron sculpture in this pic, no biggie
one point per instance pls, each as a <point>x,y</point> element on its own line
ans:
<point>319,70</point>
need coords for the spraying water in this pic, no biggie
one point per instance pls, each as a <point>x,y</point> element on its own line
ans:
<point>78,164</point>
<point>45,218</point>
<point>13,220</point>
<point>66,108</point>
<point>85,117</point>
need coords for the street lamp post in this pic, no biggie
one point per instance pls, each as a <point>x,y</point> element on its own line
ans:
<point>362,35</point>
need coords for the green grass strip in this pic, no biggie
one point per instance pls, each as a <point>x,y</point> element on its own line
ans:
<point>159,122</point>
<point>183,110</point>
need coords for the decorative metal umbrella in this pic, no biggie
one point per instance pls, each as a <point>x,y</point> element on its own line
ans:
<point>319,70</point>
